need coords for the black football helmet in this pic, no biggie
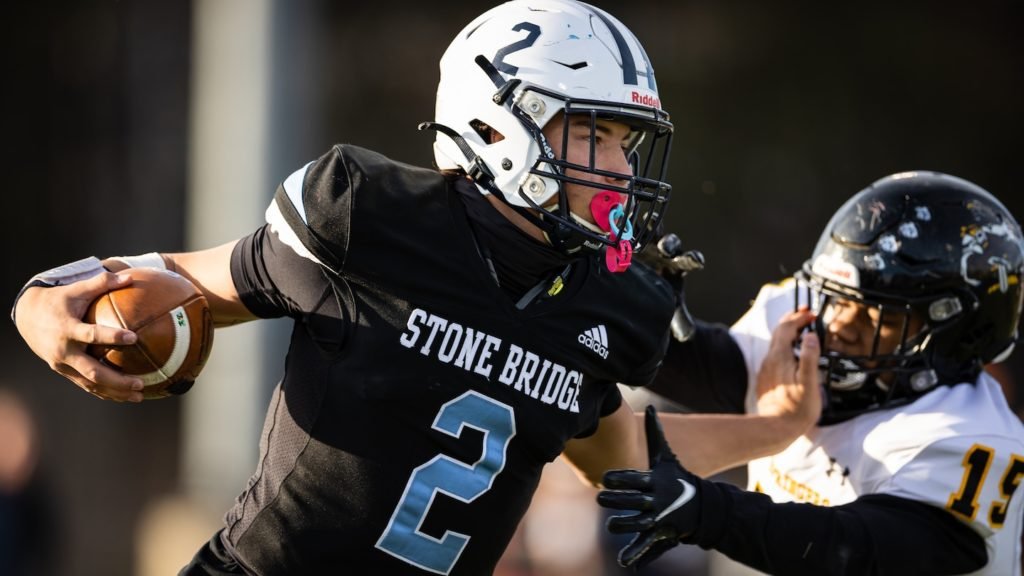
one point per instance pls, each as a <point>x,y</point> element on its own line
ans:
<point>921,245</point>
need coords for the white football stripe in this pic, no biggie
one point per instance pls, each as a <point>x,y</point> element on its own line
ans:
<point>604,335</point>
<point>182,339</point>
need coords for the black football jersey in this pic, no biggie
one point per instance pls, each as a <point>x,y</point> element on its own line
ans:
<point>419,405</point>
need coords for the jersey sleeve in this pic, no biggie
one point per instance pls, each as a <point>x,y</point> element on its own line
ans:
<point>311,210</point>
<point>272,280</point>
<point>873,535</point>
<point>706,373</point>
<point>609,404</point>
<point>648,371</point>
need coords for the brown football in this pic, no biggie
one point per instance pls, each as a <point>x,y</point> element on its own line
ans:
<point>172,320</point>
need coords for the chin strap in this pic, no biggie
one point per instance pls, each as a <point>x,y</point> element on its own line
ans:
<point>559,235</point>
<point>478,169</point>
<point>556,233</point>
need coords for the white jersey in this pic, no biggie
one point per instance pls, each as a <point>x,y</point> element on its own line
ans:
<point>958,447</point>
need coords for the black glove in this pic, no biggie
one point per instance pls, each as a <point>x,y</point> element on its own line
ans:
<point>667,498</point>
<point>671,262</point>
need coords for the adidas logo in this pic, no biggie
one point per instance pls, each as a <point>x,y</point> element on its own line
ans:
<point>596,339</point>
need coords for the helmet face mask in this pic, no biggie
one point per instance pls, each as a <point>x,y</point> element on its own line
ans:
<point>889,366</point>
<point>644,193</point>
<point>526,63</point>
<point>936,263</point>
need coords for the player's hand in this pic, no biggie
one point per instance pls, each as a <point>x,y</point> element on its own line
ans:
<point>667,499</point>
<point>667,257</point>
<point>50,321</point>
<point>786,386</point>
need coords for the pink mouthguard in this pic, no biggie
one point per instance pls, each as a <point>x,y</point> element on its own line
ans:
<point>606,207</point>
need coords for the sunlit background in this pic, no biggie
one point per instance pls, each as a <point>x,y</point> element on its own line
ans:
<point>134,126</point>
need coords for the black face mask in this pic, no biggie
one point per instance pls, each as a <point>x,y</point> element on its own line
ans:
<point>518,260</point>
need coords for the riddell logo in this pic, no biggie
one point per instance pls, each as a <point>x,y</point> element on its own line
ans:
<point>596,339</point>
<point>836,269</point>
<point>646,100</point>
<point>838,273</point>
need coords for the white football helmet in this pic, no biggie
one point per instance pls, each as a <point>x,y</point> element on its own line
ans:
<point>515,68</point>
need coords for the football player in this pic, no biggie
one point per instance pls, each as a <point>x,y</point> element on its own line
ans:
<point>454,329</point>
<point>915,464</point>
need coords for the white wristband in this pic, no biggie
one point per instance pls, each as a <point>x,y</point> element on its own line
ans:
<point>148,260</point>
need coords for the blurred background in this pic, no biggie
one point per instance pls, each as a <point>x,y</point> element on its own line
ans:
<point>164,125</point>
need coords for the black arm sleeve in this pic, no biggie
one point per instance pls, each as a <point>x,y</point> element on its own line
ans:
<point>873,535</point>
<point>706,373</point>
<point>274,281</point>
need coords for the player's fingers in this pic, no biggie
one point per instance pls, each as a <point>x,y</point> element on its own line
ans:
<point>631,552</point>
<point>104,392</point>
<point>657,446</point>
<point>809,376</point>
<point>810,351</point>
<point>81,382</point>
<point>627,524</point>
<point>91,288</point>
<point>82,294</point>
<point>646,547</point>
<point>780,364</point>
<point>100,334</point>
<point>101,380</point>
<point>627,479</point>
<point>789,327</point>
<point>75,298</point>
<point>653,551</point>
<point>625,500</point>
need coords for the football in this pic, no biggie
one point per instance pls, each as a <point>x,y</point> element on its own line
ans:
<point>172,320</point>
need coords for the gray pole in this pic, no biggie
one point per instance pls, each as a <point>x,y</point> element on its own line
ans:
<point>228,190</point>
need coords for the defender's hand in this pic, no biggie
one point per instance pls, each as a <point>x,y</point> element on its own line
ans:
<point>788,387</point>
<point>50,322</point>
<point>667,499</point>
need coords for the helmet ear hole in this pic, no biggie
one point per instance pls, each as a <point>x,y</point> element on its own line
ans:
<point>486,132</point>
